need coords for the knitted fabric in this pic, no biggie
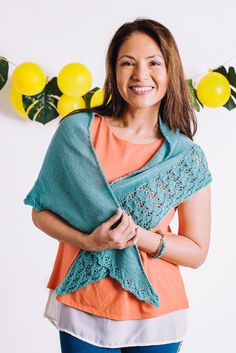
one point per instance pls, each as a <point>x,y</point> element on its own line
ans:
<point>72,184</point>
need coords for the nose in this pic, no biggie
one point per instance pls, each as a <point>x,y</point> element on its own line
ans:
<point>141,72</point>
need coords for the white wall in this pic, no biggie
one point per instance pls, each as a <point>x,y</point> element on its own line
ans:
<point>53,33</point>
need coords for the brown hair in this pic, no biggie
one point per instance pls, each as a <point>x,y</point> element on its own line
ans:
<point>176,107</point>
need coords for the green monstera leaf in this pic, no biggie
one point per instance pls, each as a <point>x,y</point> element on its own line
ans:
<point>231,77</point>
<point>87,97</point>
<point>193,94</point>
<point>4,69</point>
<point>43,106</point>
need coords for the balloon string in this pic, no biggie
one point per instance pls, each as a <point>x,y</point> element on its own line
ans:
<point>234,57</point>
<point>191,78</point>
<point>216,67</point>
<point>2,58</point>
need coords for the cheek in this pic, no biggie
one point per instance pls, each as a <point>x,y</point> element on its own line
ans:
<point>121,81</point>
<point>163,81</point>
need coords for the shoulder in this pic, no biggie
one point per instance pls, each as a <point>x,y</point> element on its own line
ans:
<point>198,156</point>
<point>192,154</point>
<point>186,145</point>
<point>73,122</point>
<point>197,165</point>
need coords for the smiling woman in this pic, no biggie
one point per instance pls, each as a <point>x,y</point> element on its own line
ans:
<point>111,182</point>
<point>142,83</point>
<point>146,47</point>
<point>141,74</point>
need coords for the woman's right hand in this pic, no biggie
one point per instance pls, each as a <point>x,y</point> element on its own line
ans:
<point>104,237</point>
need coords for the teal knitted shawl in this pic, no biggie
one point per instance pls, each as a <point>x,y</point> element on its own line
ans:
<point>72,184</point>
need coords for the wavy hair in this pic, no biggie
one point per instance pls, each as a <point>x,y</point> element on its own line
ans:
<point>176,106</point>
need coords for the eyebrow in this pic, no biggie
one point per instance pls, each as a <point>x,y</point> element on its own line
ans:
<point>149,57</point>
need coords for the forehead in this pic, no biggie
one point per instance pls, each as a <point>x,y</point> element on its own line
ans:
<point>139,44</point>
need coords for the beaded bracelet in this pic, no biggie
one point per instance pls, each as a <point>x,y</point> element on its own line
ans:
<point>161,247</point>
<point>162,250</point>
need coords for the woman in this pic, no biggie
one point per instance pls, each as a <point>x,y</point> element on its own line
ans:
<point>141,144</point>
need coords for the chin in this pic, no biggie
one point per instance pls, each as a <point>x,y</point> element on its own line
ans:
<point>143,105</point>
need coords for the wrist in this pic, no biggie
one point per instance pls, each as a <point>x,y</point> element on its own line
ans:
<point>148,241</point>
<point>87,242</point>
<point>159,249</point>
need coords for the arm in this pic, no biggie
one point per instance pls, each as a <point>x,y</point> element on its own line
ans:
<point>103,237</point>
<point>191,246</point>
<point>53,225</point>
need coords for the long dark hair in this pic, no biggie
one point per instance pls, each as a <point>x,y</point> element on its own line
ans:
<point>176,107</point>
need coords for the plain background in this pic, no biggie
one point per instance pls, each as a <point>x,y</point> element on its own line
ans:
<point>52,34</point>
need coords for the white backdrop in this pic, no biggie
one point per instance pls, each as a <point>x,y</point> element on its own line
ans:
<point>52,34</point>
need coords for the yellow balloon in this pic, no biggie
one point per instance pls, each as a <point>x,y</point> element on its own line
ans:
<point>97,98</point>
<point>213,90</point>
<point>67,104</point>
<point>16,101</point>
<point>74,79</point>
<point>29,79</point>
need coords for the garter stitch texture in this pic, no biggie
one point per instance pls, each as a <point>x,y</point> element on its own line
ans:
<point>72,184</point>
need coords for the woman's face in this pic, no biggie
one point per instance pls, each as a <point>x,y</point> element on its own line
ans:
<point>141,73</point>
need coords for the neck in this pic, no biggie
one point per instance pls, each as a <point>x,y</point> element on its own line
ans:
<point>141,122</point>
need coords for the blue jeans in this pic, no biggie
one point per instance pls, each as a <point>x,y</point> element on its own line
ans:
<point>71,344</point>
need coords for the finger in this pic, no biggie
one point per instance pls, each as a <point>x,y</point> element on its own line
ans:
<point>123,245</point>
<point>136,234</point>
<point>121,227</point>
<point>115,219</point>
<point>131,219</point>
<point>128,237</point>
<point>121,233</point>
<point>132,241</point>
<point>129,231</point>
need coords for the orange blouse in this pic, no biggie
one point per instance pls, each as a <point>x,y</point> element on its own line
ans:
<point>106,298</point>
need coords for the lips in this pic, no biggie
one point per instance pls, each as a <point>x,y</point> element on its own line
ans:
<point>141,89</point>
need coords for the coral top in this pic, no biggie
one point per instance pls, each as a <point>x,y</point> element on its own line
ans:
<point>106,298</point>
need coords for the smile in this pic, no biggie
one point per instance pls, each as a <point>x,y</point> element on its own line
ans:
<point>141,90</point>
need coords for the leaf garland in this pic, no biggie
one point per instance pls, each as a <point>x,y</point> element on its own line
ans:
<point>230,76</point>
<point>42,107</point>
<point>193,94</point>
<point>4,69</point>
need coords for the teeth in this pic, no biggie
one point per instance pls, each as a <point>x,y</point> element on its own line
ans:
<point>141,89</point>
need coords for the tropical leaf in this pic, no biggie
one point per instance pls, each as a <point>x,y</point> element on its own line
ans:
<point>231,77</point>
<point>222,70</point>
<point>230,104</point>
<point>193,94</point>
<point>4,68</point>
<point>43,106</point>
<point>87,97</point>
<point>233,93</point>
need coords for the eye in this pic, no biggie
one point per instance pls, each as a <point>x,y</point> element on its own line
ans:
<point>127,63</point>
<point>154,62</point>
